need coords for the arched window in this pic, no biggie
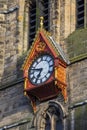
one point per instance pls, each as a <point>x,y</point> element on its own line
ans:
<point>50,117</point>
<point>37,8</point>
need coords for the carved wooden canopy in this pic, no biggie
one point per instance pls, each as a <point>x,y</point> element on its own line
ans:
<point>44,44</point>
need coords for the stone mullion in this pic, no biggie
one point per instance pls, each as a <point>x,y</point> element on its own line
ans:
<point>21,26</point>
<point>55,19</point>
<point>57,22</point>
<point>67,18</point>
<point>72,16</point>
<point>53,122</point>
<point>26,29</point>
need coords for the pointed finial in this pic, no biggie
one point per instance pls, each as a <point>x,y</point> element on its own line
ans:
<point>41,21</point>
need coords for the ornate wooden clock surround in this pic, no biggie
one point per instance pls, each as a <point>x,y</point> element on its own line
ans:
<point>44,70</point>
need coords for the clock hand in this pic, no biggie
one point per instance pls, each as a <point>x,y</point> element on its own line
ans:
<point>38,69</point>
<point>39,73</point>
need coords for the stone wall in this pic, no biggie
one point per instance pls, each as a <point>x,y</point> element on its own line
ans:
<point>77,95</point>
<point>14,106</point>
<point>5,5</point>
<point>8,41</point>
<point>62,18</point>
<point>77,81</point>
<point>77,118</point>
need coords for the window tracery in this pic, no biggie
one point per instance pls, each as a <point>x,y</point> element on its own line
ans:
<point>50,117</point>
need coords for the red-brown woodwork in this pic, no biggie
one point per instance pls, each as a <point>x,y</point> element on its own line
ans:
<point>56,83</point>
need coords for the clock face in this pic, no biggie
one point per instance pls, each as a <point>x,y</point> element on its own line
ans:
<point>41,69</point>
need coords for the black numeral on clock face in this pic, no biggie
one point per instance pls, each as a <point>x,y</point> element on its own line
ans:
<point>39,60</point>
<point>44,58</point>
<point>48,74</point>
<point>44,79</point>
<point>50,62</point>
<point>38,81</point>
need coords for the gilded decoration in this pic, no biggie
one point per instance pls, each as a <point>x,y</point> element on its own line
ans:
<point>40,47</point>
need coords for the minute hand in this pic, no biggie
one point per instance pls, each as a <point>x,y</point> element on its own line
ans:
<point>38,69</point>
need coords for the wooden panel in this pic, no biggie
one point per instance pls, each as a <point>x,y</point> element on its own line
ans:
<point>60,74</point>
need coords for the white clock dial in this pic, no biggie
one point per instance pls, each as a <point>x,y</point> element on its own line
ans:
<point>41,69</point>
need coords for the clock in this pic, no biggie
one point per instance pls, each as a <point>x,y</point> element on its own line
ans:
<point>41,69</point>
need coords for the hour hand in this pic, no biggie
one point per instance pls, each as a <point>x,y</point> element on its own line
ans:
<point>39,73</point>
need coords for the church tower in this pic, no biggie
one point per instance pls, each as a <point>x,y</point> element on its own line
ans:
<point>43,64</point>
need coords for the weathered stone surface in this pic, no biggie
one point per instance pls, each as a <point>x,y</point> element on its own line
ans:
<point>7,4</point>
<point>8,37</point>
<point>14,106</point>
<point>77,81</point>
